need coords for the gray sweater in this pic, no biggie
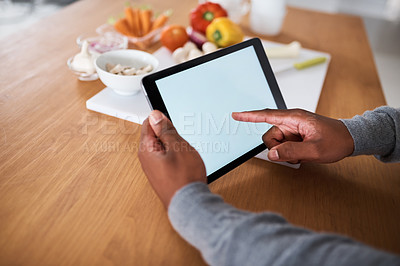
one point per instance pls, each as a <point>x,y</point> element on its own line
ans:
<point>228,236</point>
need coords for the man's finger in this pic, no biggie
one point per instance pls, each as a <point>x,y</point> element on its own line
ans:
<point>270,116</point>
<point>274,136</point>
<point>147,132</point>
<point>163,127</point>
<point>292,151</point>
<point>148,139</point>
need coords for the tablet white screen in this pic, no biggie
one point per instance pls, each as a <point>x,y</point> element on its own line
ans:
<point>200,101</point>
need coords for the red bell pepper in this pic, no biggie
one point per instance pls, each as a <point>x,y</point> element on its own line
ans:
<point>204,14</point>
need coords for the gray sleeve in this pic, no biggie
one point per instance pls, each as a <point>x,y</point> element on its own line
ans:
<point>228,236</point>
<point>376,133</point>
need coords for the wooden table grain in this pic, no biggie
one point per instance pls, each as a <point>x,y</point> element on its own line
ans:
<point>72,191</point>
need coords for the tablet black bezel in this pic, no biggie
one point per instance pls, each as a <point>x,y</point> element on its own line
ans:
<point>156,102</point>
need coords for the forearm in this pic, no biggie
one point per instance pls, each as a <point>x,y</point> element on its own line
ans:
<point>376,133</point>
<point>228,236</point>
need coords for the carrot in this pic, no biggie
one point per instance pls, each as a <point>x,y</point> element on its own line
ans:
<point>145,19</point>
<point>137,24</point>
<point>122,26</point>
<point>161,20</point>
<point>130,17</point>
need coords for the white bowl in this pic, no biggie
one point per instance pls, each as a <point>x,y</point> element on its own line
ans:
<point>124,85</point>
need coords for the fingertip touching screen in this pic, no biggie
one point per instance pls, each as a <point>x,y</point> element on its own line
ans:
<point>200,100</point>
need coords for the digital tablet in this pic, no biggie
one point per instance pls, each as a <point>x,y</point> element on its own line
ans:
<point>200,95</point>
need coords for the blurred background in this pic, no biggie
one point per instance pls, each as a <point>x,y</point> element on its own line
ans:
<point>381,18</point>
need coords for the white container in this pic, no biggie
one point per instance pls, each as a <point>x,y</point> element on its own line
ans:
<point>266,16</point>
<point>124,85</point>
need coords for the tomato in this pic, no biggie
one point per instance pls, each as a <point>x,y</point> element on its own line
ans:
<point>174,36</point>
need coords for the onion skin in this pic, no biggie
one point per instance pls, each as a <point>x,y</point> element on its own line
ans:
<point>196,37</point>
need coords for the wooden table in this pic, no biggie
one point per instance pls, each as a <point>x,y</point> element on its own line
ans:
<point>71,187</point>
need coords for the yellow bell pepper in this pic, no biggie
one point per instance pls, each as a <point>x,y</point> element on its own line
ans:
<point>223,32</point>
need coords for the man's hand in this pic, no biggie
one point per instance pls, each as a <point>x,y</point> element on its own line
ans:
<point>301,136</point>
<point>168,160</point>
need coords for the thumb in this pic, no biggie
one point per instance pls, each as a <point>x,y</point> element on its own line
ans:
<point>293,151</point>
<point>162,127</point>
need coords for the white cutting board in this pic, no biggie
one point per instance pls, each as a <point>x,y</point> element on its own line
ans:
<point>300,88</point>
